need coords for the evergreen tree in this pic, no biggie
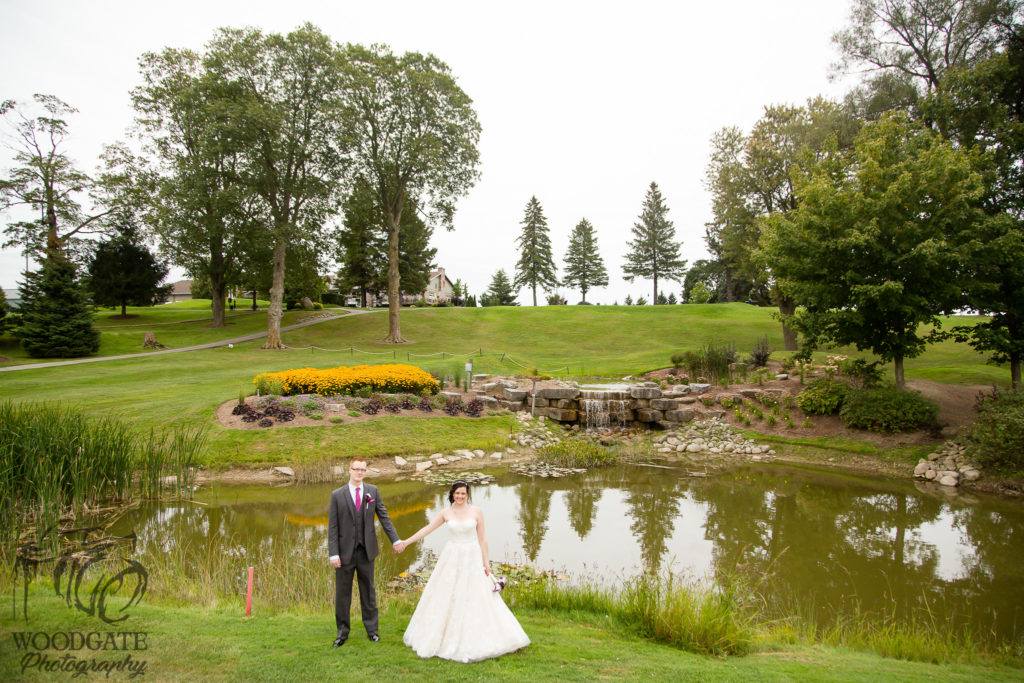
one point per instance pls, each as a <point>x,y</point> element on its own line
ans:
<point>672,301</point>
<point>124,272</point>
<point>536,266</point>
<point>640,301</point>
<point>662,300</point>
<point>500,292</point>
<point>628,301</point>
<point>654,253</point>
<point>56,320</point>
<point>584,267</point>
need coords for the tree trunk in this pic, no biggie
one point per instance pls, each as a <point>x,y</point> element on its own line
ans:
<point>394,305</point>
<point>787,307</point>
<point>124,308</point>
<point>254,307</point>
<point>654,301</point>
<point>535,295</point>
<point>275,311</point>
<point>730,287</point>
<point>1015,358</point>
<point>218,292</point>
<point>584,295</point>
<point>897,363</point>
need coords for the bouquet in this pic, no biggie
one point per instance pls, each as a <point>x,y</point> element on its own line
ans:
<point>499,582</point>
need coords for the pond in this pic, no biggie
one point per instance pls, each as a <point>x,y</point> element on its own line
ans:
<point>811,537</point>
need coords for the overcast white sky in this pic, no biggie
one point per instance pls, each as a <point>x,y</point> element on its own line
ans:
<point>582,104</point>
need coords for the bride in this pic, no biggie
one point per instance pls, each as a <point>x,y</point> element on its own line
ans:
<point>460,615</point>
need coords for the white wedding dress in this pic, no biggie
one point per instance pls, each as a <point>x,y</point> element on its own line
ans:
<point>460,617</point>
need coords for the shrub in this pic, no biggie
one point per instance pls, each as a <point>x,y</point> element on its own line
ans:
<point>372,406</point>
<point>759,356</point>
<point>337,419</point>
<point>266,422</point>
<point>407,402</point>
<point>392,378</point>
<point>424,405</point>
<point>252,417</point>
<point>268,385</point>
<point>576,453</point>
<point>726,400</point>
<point>865,374</point>
<point>886,409</point>
<point>997,439</point>
<point>316,416</point>
<point>474,408</point>
<point>767,398</point>
<point>823,396</point>
<point>707,400</point>
<point>392,407</point>
<point>354,413</point>
<point>454,406</point>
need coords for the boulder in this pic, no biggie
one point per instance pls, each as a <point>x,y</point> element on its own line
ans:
<point>558,392</point>
<point>682,415</point>
<point>698,389</point>
<point>649,415</point>
<point>664,404</point>
<point>441,461</point>
<point>949,479</point>
<point>425,465</point>
<point>559,414</point>
<point>401,462</point>
<point>306,303</point>
<point>645,392</point>
<point>748,393</point>
<point>782,376</point>
<point>283,471</point>
<point>687,400</point>
<point>921,468</point>
<point>480,378</point>
<point>540,402</point>
<point>513,394</point>
<point>971,475</point>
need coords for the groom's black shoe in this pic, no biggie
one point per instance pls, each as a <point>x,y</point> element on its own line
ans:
<point>373,637</point>
<point>339,641</point>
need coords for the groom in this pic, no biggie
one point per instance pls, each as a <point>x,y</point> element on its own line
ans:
<point>352,541</point>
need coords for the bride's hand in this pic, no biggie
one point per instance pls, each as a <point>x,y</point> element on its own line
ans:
<point>487,569</point>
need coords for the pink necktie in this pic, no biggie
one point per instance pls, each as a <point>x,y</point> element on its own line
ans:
<point>359,499</point>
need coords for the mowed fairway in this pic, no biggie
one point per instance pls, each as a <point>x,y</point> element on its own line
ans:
<point>590,340</point>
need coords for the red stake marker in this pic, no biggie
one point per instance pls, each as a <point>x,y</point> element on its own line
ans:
<point>248,595</point>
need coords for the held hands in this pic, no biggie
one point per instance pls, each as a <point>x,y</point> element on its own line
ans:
<point>400,546</point>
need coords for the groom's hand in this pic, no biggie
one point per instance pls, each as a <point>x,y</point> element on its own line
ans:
<point>336,562</point>
<point>399,547</point>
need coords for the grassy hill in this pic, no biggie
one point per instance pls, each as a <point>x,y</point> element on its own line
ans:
<point>589,340</point>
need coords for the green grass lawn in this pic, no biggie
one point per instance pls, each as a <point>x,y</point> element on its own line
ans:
<point>217,644</point>
<point>590,340</point>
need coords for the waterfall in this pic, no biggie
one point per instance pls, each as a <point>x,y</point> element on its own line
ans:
<point>604,413</point>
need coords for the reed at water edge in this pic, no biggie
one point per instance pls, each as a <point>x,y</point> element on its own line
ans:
<point>58,465</point>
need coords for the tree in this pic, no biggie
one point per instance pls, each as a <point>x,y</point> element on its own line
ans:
<point>123,272</point>
<point>411,135</point>
<point>56,317</point>
<point>922,40</point>
<point>983,108</point>
<point>45,179</point>
<point>288,90</point>
<point>363,247</point>
<point>500,292</point>
<point>535,266</point>
<point>868,254</point>
<point>654,253</point>
<point>628,301</point>
<point>199,206</point>
<point>640,301</point>
<point>584,267</point>
<point>556,299</point>
<point>672,300</point>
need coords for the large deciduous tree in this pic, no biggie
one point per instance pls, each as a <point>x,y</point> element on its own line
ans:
<point>124,272</point>
<point>653,251</point>
<point>45,180</point>
<point>536,265</point>
<point>921,40</point>
<point>289,89</point>
<point>584,267</point>
<point>983,108</point>
<point>411,134</point>
<point>868,254</point>
<point>190,123</point>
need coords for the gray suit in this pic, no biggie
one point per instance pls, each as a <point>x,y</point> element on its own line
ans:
<point>352,536</point>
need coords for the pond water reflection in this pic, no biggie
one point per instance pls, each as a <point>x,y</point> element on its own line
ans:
<point>811,537</point>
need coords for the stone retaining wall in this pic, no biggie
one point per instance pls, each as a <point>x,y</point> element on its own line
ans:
<point>645,403</point>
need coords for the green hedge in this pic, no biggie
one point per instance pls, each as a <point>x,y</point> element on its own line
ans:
<point>997,439</point>
<point>823,396</point>
<point>885,409</point>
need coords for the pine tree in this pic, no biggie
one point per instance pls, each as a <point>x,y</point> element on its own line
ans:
<point>536,266</point>
<point>662,300</point>
<point>124,272</point>
<point>584,267</point>
<point>500,293</point>
<point>654,253</point>
<point>672,301</point>
<point>56,320</point>
<point>629,300</point>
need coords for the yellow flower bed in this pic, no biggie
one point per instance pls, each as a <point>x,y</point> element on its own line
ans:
<point>392,379</point>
